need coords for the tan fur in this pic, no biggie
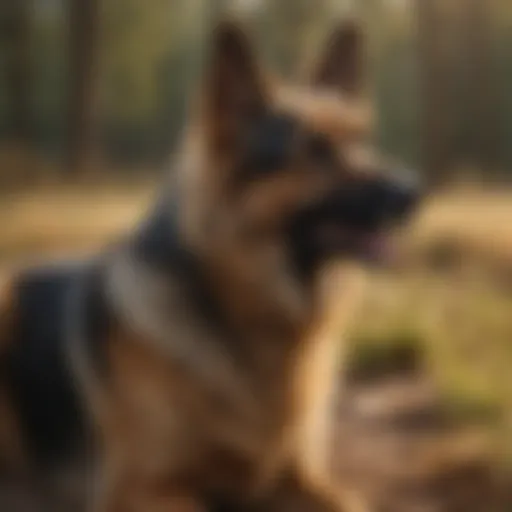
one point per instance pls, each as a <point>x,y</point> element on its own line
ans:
<point>342,287</point>
<point>341,117</point>
<point>164,429</point>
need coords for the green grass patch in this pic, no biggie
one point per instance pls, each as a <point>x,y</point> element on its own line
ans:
<point>397,353</point>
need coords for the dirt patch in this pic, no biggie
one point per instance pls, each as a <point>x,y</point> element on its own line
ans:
<point>394,443</point>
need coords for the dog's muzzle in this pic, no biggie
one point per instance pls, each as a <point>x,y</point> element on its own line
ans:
<point>370,204</point>
<point>356,219</point>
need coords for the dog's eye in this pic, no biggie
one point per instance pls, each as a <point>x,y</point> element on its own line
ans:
<point>321,151</point>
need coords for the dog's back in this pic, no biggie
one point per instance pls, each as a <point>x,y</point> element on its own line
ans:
<point>42,411</point>
<point>35,367</point>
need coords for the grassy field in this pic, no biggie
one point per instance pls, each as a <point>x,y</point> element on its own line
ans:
<point>449,307</point>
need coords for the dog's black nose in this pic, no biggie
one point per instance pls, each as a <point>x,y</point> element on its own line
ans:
<point>386,198</point>
<point>373,203</point>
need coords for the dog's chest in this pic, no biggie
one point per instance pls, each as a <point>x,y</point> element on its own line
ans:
<point>235,432</point>
<point>193,405</point>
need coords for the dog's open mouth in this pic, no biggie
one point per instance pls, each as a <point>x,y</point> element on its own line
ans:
<point>380,246</point>
<point>359,222</point>
<point>330,239</point>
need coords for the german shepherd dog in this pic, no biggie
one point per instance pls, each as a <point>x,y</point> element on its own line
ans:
<point>192,359</point>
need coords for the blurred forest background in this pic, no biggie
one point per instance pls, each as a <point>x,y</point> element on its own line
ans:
<point>90,82</point>
<point>93,94</point>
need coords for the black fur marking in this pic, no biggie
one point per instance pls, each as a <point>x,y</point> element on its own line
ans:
<point>268,146</point>
<point>159,245</point>
<point>94,315</point>
<point>321,152</point>
<point>37,367</point>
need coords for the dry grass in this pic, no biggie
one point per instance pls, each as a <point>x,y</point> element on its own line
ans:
<point>49,220</point>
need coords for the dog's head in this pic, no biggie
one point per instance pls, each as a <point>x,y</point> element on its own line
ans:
<point>285,172</point>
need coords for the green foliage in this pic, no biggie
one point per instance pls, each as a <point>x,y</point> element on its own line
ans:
<point>395,352</point>
<point>49,71</point>
<point>149,58</point>
<point>398,99</point>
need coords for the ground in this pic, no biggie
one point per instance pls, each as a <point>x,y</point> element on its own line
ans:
<point>394,443</point>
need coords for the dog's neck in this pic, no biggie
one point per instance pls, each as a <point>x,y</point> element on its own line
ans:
<point>157,242</point>
<point>157,263</point>
<point>158,290</point>
<point>159,246</point>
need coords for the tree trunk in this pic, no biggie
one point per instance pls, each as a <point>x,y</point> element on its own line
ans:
<point>83,35</point>
<point>289,30</point>
<point>435,108</point>
<point>17,33</point>
<point>483,91</point>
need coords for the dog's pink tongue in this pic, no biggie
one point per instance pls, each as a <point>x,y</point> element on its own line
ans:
<point>377,247</point>
<point>381,247</point>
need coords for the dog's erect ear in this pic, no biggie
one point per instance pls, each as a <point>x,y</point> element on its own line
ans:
<point>234,91</point>
<point>341,65</point>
